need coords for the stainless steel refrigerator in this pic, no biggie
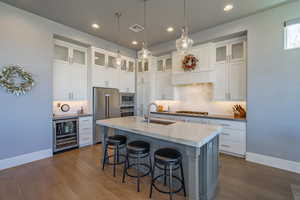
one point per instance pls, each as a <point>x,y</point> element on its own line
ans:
<point>106,104</point>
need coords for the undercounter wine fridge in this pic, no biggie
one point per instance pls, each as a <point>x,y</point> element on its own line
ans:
<point>106,104</point>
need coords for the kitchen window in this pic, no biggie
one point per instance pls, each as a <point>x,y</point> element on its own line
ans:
<point>292,34</point>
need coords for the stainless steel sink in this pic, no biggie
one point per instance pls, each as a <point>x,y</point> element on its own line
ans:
<point>161,122</point>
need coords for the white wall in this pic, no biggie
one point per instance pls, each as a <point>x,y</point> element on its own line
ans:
<point>273,82</point>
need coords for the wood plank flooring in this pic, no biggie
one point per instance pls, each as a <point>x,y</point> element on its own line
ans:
<point>77,175</point>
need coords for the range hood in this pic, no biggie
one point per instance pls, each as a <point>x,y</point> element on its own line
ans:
<point>188,78</point>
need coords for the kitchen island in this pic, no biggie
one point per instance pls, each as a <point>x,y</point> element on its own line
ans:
<point>198,143</point>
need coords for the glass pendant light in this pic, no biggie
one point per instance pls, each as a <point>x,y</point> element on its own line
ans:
<point>184,43</point>
<point>119,57</point>
<point>144,54</point>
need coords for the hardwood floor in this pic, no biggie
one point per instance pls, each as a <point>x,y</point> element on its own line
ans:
<point>77,175</point>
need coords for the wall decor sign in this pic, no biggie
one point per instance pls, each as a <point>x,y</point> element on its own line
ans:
<point>189,62</point>
<point>15,80</point>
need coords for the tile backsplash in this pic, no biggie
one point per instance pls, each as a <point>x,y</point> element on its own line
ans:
<point>199,97</point>
<point>74,107</point>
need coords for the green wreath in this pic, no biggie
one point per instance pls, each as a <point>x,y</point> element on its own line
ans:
<point>8,78</point>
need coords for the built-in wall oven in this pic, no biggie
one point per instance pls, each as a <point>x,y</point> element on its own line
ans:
<point>127,106</point>
<point>65,134</point>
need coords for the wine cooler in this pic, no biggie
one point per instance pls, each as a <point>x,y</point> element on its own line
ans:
<point>65,134</point>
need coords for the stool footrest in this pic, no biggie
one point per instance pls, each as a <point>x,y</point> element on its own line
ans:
<point>117,163</point>
<point>142,175</point>
<point>168,192</point>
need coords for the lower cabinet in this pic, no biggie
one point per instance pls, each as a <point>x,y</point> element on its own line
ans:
<point>232,137</point>
<point>85,131</point>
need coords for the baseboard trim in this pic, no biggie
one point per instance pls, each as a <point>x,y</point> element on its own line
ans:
<point>279,163</point>
<point>25,158</point>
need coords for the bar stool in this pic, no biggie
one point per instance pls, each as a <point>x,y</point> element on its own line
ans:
<point>137,150</point>
<point>168,159</point>
<point>116,143</point>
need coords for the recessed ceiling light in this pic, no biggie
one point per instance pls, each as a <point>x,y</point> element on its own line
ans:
<point>228,7</point>
<point>96,26</point>
<point>134,42</point>
<point>170,29</point>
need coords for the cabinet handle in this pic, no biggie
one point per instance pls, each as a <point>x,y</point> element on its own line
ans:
<point>224,145</point>
<point>224,124</point>
<point>227,134</point>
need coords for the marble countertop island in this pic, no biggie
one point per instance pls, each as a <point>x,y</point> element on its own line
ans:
<point>198,144</point>
<point>191,134</point>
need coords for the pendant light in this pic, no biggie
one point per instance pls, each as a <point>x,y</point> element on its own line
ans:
<point>144,53</point>
<point>184,43</point>
<point>119,57</point>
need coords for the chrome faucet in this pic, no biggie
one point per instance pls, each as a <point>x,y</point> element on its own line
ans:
<point>149,111</point>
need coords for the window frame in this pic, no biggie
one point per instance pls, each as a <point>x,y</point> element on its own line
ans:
<point>286,25</point>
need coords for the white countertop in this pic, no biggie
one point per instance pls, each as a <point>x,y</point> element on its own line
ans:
<point>191,134</point>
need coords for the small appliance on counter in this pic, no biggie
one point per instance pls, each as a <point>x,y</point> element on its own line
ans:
<point>65,134</point>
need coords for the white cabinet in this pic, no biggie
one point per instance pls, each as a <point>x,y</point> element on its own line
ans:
<point>127,75</point>
<point>164,89</point>
<point>69,72</point>
<point>145,84</point>
<point>230,71</point>
<point>232,137</point>
<point>85,131</point>
<point>104,72</point>
<point>164,63</point>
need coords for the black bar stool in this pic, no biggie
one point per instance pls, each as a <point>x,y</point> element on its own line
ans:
<point>137,150</point>
<point>168,159</point>
<point>116,143</point>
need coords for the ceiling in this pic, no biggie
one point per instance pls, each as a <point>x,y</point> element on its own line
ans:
<point>80,14</point>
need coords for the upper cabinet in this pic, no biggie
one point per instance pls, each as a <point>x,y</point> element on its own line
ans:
<point>164,89</point>
<point>127,75</point>
<point>164,63</point>
<point>69,72</point>
<point>230,70</point>
<point>106,73</point>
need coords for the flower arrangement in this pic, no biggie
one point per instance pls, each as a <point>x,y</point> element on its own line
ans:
<point>189,62</point>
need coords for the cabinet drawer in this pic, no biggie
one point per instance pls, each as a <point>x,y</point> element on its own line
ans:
<point>233,135</point>
<point>85,137</point>
<point>84,120</point>
<point>233,147</point>
<point>229,124</point>
<point>85,140</point>
<point>85,129</point>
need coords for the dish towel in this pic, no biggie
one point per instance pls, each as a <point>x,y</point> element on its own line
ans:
<point>296,191</point>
